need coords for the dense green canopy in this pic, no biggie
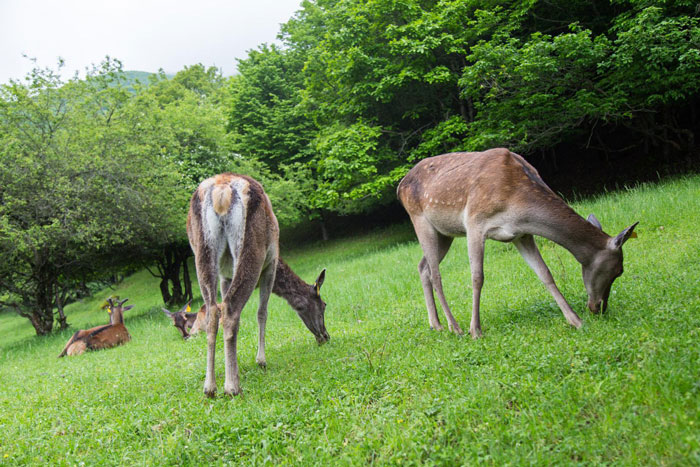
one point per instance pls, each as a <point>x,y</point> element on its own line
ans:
<point>364,89</point>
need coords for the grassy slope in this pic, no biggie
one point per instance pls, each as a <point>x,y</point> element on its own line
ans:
<point>624,388</point>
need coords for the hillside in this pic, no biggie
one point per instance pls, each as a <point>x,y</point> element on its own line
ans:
<point>385,389</point>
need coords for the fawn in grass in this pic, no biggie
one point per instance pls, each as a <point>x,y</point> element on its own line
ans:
<point>189,323</point>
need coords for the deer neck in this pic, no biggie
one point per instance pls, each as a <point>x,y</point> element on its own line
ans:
<point>558,222</point>
<point>116,317</point>
<point>290,286</point>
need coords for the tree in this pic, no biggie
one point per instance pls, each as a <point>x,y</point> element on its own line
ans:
<point>389,82</point>
<point>82,188</point>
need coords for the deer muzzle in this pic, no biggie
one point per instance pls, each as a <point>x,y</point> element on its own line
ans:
<point>322,337</point>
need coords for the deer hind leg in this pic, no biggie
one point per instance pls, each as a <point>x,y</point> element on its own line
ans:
<point>242,286</point>
<point>224,284</point>
<point>207,272</point>
<point>475,245</point>
<point>435,246</point>
<point>267,279</point>
<point>424,272</point>
<point>528,249</point>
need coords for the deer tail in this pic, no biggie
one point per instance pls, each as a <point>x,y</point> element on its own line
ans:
<point>221,198</point>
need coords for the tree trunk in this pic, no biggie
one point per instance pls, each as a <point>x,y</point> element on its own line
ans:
<point>42,312</point>
<point>60,300</point>
<point>42,324</point>
<point>165,290</point>
<point>174,258</point>
<point>324,230</point>
<point>186,279</point>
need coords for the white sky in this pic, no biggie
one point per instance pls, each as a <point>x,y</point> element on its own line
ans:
<point>144,34</point>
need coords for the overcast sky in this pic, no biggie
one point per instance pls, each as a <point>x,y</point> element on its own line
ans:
<point>144,34</point>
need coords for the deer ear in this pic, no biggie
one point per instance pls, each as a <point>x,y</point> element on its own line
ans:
<point>594,221</point>
<point>127,308</point>
<point>185,308</point>
<point>167,312</point>
<point>319,282</point>
<point>623,236</point>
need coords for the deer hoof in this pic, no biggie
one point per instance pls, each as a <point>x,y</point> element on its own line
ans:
<point>457,330</point>
<point>210,390</point>
<point>262,364</point>
<point>437,327</point>
<point>475,333</point>
<point>575,321</point>
<point>232,392</point>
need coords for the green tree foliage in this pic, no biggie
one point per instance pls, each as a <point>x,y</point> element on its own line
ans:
<point>383,83</point>
<point>266,118</point>
<point>83,188</point>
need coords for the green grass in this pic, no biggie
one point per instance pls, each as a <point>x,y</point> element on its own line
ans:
<point>623,389</point>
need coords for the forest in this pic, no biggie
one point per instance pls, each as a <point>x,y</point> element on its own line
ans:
<point>96,171</point>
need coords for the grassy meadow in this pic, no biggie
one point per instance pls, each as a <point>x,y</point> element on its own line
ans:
<point>625,388</point>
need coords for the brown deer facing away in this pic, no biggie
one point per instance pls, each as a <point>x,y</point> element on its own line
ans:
<point>188,323</point>
<point>101,337</point>
<point>235,238</point>
<point>498,195</point>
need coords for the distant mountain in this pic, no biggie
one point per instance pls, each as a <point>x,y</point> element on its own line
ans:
<point>133,77</point>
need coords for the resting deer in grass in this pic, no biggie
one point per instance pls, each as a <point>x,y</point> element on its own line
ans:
<point>498,195</point>
<point>101,337</point>
<point>235,238</point>
<point>188,323</point>
<point>183,320</point>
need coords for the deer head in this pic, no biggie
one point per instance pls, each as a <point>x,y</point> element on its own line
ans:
<point>181,320</point>
<point>605,266</point>
<point>116,310</point>
<point>311,309</point>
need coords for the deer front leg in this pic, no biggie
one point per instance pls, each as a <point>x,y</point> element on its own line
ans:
<point>475,245</point>
<point>528,249</point>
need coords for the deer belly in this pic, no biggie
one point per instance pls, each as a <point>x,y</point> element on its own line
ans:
<point>450,224</point>
<point>502,228</point>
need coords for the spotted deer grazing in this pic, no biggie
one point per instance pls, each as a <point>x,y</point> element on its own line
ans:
<point>188,323</point>
<point>101,337</point>
<point>498,195</point>
<point>235,238</point>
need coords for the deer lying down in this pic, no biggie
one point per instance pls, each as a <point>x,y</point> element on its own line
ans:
<point>235,238</point>
<point>188,323</point>
<point>498,195</point>
<point>101,337</point>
